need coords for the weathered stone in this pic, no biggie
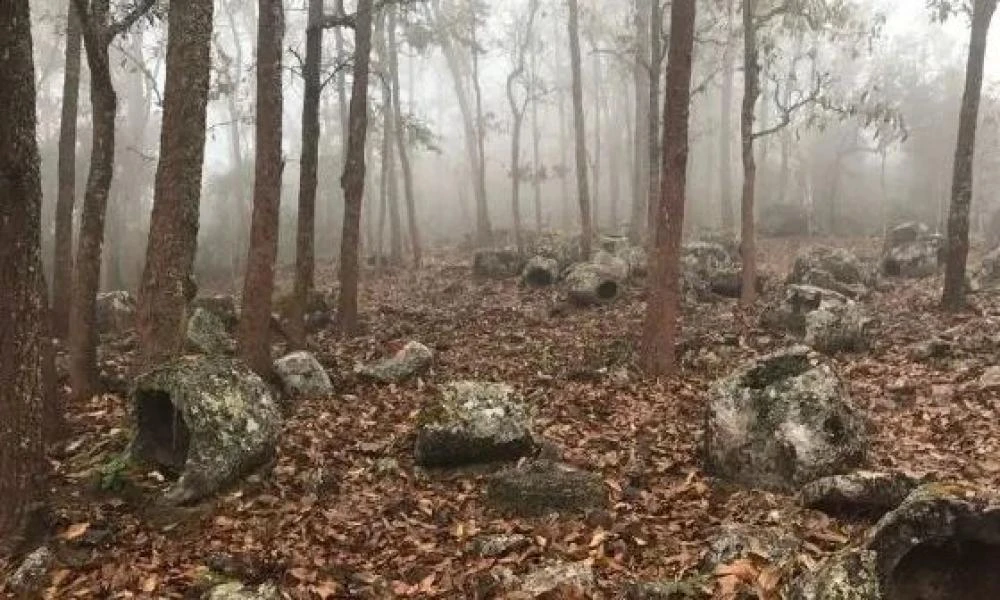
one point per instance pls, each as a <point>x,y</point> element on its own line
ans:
<point>665,590</point>
<point>986,277</point>
<point>540,271</point>
<point>637,260</point>
<point>784,220</point>
<point>222,306</point>
<point>990,379</point>
<point>499,544</point>
<point>941,543</point>
<point>115,312</point>
<point>493,263</point>
<point>208,418</point>
<point>565,578</point>
<point>736,541</point>
<point>613,263</point>
<point>239,591</point>
<point>710,270</point>
<point>861,493</point>
<point>540,487</point>
<point>911,251</point>
<point>615,244</point>
<point>31,575</point>
<point>206,333</point>
<point>473,422</point>
<point>834,269</point>
<point>930,349</point>
<point>412,359</point>
<point>781,421</point>
<point>302,376</point>
<point>824,319</point>
<point>592,283</point>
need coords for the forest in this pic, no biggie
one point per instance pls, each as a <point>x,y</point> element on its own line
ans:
<point>521,299</point>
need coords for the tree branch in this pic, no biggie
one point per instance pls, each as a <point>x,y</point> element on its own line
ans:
<point>123,24</point>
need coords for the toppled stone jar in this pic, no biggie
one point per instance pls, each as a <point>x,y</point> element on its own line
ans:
<point>208,419</point>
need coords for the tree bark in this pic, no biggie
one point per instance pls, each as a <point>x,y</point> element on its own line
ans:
<point>62,276</point>
<point>663,308</point>
<point>536,139</point>
<point>726,129</point>
<point>953,296</point>
<point>353,179</point>
<point>483,226</point>
<point>595,199</point>
<point>23,310</point>
<point>751,90</point>
<point>579,129</point>
<point>258,284</point>
<point>167,279</point>
<point>640,164</point>
<point>655,61</point>
<point>401,138</point>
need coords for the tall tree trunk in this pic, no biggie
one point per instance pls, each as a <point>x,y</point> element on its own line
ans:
<point>401,138</point>
<point>258,284</point>
<point>640,164</point>
<point>614,171</point>
<point>62,276</point>
<point>353,179</point>
<point>595,204</point>
<point>579,129</point>
<point>536,138</point>
<point>23,310</point>
<point>726,128</point>
<point>243,206</point>
<point>663,309</point>
<point>751,90</point>
<point>167,279</point>
<point>655,61</point>
<point>305,233</point>
<point>953,297</point>
<point>483,226</point>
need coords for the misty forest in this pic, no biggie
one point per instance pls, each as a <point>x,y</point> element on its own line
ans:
<point>555,299</point>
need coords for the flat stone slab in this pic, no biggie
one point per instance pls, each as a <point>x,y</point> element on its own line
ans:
<point>541,487</point>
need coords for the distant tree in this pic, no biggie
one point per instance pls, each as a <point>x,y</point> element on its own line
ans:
<point>579,127</point>
<point>167,278</point>
<point>953,296</point>
<point>99,30</point>
<point>725,127</point>
<point>258,284</point>
<point>353,179</point>
<point>663,308</point>
<point>640,160</point>
<point>522,39</point>
<point>23,310</point>
<point>62,272</point>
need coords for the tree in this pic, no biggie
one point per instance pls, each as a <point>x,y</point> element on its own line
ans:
<point>23,311</point>
<point>305,237</point>
<point>518,106</point>
<point>641,78</point>
<point>583,193</point>
<point>662,310</point>
<point>751,91</point>
<point>99,30</point>
<point>953,297</point>
<point>167,278</point>
<point>725,128</point>
<point>62,275</point>
<point>401,137</point>
<point>258,285</point>
<point>353,179</point>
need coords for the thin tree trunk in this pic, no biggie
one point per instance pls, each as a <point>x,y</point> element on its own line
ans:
<point>243,207</point>
<point>663,308</point>
<point>953,297</point>
<point>726,128</point>
<point>614,170</point>
<point>751,90</point>
<point>483,226</point>
<point>598,148</point>
<point>656,59</point>
<point>579,127</point>
<point>640,162</point>
<point>353,180</point>
<point>62,280</point>
<point>167,279</point>
<point>23,310</point>
<point>404,156</point>
<point>536,138</point>
<point>258,284</point>
<point>305,233</point>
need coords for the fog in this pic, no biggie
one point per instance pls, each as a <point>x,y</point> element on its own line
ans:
<point>875,151</point>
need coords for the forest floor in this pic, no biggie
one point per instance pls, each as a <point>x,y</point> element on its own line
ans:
<point>335,518</point>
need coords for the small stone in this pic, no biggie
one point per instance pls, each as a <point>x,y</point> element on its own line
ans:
<point>239,591</point>
<point>736,541</point>
<point>540,487</point>
<point>664,590</point>
<point>868,493</point>
<point>567,578</point>
<point>501,544</point>
<point>412,359</point>
<point>990,379</point>
<point>32,574</point>
<point>385,466</point>
<point>302,376</point>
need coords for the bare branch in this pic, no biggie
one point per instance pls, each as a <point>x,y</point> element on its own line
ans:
<point>123,24</point>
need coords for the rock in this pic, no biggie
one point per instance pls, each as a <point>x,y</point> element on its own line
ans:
<point>222,306</point>
<point>207,334</point>
<point>861,493</point>
<point>990,379</point>
<point>929,349</point>
<point>911,251</point>
<point>637,260</point>
<point>784,220</point>
<point>615,245</point>
<point>32,574</point>
<point>986,277</point>
<point>412,359</point>
<point>208,418</point>
<point>115,312</point>
<point>710,270</point>
<point>738,541</point>
<point>492,263</point>
<point>824,319</point>
<point>781,421</point>
<point>473,422</point>
<point>613,263</point>
<point>540,272</point>
<point>592,283</point>
<point>665,590</point>
<point>834,269</point>
<point>500,544</point>
<point>572,580</point>
<point>238,591</point>
<point>941,543</point>
<point>302,376</point>
<point>540,487</point>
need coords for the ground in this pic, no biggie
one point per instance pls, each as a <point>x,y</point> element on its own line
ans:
<point>335,518</point>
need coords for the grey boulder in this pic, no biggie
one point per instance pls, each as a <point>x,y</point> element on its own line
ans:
<point>859,493</point>
<point>593,283</point>
<point>540,271</point>
<point>115,312</point>
<point>302,376</point>
<point>207,334</point>
<point>911,251</point>
<point>834,269</point>
<point>497,263</point>
<point>824,319</point>
<point>540,487</point>
<point>412,359</point>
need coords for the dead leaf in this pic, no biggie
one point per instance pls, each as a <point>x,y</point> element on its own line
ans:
<point>75,531</point>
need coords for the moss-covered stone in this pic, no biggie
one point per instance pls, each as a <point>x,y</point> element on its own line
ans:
<point>540,487</point>
<point>540,271</point>
<point>824,319</point>
<point>592,283</point>
<point>207,334</point>
<point>302,376</point>
<point>412,359</point>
